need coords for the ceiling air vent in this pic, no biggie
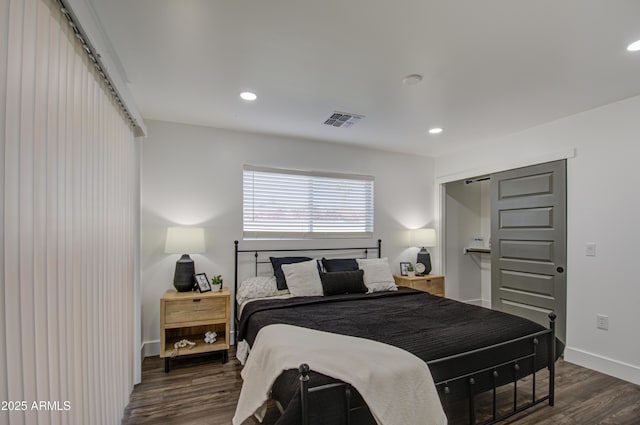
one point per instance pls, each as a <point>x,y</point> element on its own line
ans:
<point>342,119</point>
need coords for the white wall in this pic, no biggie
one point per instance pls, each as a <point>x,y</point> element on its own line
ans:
<point>602,207</point>
<point>193,175</point>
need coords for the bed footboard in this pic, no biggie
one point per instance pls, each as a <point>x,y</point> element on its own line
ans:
<point>471,384</point>
<point>351,406</point>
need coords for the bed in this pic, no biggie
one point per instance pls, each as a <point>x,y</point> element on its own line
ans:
<point>468,349</point>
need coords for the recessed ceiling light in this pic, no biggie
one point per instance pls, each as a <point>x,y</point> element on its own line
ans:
<point>634,47</point>
<point>435,130</point>
<point>412,79</point>
<point>247,95</point>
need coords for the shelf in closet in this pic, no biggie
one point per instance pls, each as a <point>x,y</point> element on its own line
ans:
<point>477,250</point>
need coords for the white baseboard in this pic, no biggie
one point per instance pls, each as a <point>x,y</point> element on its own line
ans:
<point>151,348</point>
<point>480,302</point>
<point>138,377</point>
<point>615,368</point>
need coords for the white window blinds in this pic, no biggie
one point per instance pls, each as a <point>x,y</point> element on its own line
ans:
<point>300,204</point>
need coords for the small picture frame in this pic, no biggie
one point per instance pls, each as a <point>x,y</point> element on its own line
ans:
<point>403,269</point>
<point>202,282</point>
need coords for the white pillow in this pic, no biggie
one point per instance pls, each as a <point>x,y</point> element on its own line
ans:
<point>258,287</point>
<point>377,274</point>
<point>303,279</point>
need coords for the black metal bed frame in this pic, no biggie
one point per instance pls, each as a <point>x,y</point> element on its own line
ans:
<point>443,386</point>
<point>256,252</point>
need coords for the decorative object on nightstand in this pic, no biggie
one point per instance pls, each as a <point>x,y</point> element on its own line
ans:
<point>182,344</point>
<point>210,337</point>
<point>403,268</point>
<point>216,283</point>
<point>202,282</point>
<point>433,283</point>
<point>410,271</point>
<point>193,323</point>
<point>423,238</point>
<point>179,241</point>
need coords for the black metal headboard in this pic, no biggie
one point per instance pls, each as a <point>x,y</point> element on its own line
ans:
<point>256,254</point>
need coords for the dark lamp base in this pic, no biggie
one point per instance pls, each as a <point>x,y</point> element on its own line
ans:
<point>184,278</point>
<point>424,258</point>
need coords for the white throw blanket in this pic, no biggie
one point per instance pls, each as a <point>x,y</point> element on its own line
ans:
<point>396,385</point>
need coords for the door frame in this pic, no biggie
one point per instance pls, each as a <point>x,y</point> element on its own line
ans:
<point>439,262</point>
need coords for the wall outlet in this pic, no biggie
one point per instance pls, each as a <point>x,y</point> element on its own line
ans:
<point>590,249</point>
<point>603,322</point>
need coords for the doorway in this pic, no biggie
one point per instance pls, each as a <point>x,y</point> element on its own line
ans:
<point>505,241</point>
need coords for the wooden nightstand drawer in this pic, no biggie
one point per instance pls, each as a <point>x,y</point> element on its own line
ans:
<point>433,284</point>
<point>195,310</point>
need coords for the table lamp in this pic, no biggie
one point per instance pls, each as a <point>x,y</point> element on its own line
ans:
<point>423,238</point>
<point>179,241</point>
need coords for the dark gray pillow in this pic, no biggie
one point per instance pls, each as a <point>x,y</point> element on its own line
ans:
<point>277,263</point>
<point>339,264</point>
<point>345,282</point>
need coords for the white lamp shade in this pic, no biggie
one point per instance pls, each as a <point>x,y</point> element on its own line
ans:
<point>185,240</point>
<point>423,237</point>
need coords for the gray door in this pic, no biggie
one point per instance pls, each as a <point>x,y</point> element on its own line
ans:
<point>528,240</point>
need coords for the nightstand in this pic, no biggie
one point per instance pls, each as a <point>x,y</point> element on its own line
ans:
<point>431,283</point>
<point>189,315</point>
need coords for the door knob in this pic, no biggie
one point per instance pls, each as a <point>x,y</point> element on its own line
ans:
<point>560,269</point>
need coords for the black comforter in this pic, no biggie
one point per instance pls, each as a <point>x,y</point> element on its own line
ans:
<point>427,326</point>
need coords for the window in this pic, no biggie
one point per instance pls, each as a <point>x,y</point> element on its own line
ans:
<point>299,204</point>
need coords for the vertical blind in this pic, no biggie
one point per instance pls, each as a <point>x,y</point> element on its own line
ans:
<point>68,194</point>
<point>300,204</point>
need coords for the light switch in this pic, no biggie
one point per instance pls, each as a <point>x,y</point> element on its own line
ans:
<point>602,322</point>
<point>590,249</point>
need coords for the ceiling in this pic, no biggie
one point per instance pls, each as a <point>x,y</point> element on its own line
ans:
<point>490,68</point>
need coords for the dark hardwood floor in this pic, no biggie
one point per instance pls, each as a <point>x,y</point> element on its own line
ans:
<point>204,391</point>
